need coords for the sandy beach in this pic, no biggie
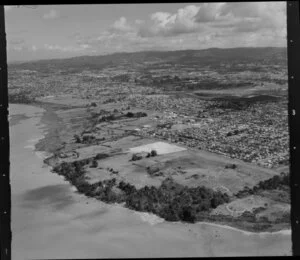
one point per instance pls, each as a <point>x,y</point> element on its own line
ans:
<point>51,220</point>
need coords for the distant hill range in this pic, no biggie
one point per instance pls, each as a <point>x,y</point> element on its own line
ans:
<point>212,56</point>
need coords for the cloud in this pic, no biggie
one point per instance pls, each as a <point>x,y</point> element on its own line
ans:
<point>138,21</point>
<point>206,25</point>
<point>56,47</point>
<point>118,32</point>
<point>168,25</point>
<point>121,25</point>
<point>247,9</point>
<point>195,26</point>
<point>34,48</point>
<point>239,17</point>
<point>17,44</point>
<point>208,12</point>
<point>84,46</point>
<point>52,14</point>
<point>244,17</point>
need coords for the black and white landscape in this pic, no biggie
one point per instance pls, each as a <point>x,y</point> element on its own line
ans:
<point>156,130</point>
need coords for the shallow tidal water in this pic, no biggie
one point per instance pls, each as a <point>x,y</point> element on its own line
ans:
<point>51,220</point>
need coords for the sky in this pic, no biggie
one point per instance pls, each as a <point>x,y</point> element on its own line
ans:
<point>62,31</point>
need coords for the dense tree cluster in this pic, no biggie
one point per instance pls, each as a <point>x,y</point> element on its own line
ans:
<point>171,201</point>
<point>229,105</point>
<point>106,118</point>
<point>136,115</point>
<point>100,156</point>
<point>136,157</point>
<point>153,153</point>
<point>275,182</point>
<point>72,170</point>
<point>139,156</point>
<point>129,114</point>
<point>281,182</point>
<point>175,202</point>
<point>230,166</point>
<point>88,139</point>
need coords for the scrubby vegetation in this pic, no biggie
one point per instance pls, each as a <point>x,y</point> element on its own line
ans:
<point>20,98</point>
<point>230,166</point>
<point>100,156</point>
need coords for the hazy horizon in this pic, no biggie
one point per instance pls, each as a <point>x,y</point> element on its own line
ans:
<point>66,31</point>
<point>131,52</point>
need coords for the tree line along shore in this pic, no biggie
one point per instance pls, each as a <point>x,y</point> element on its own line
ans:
<point>172,201</point>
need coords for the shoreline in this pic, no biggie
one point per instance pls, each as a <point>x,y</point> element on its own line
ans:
<point>44,154</point>
<point>153,219</point>
<point>281,232</point>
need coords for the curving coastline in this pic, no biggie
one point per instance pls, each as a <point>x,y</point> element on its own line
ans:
<point>181,241</point>
<point>122,192</point>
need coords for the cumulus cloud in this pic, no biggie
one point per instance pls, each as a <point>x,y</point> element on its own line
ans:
<point>208,12</point>
<point>195,26</point>
<point>121,25</point>
<point>52,14</point>
<point>247,9</point>
<point>244,17</point>
<point>239,17</point>
<point>167,24</point>
<point>206,25</point>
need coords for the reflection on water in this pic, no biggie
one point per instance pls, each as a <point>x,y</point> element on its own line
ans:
<point>56,196</point>
<point>96,213</point>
